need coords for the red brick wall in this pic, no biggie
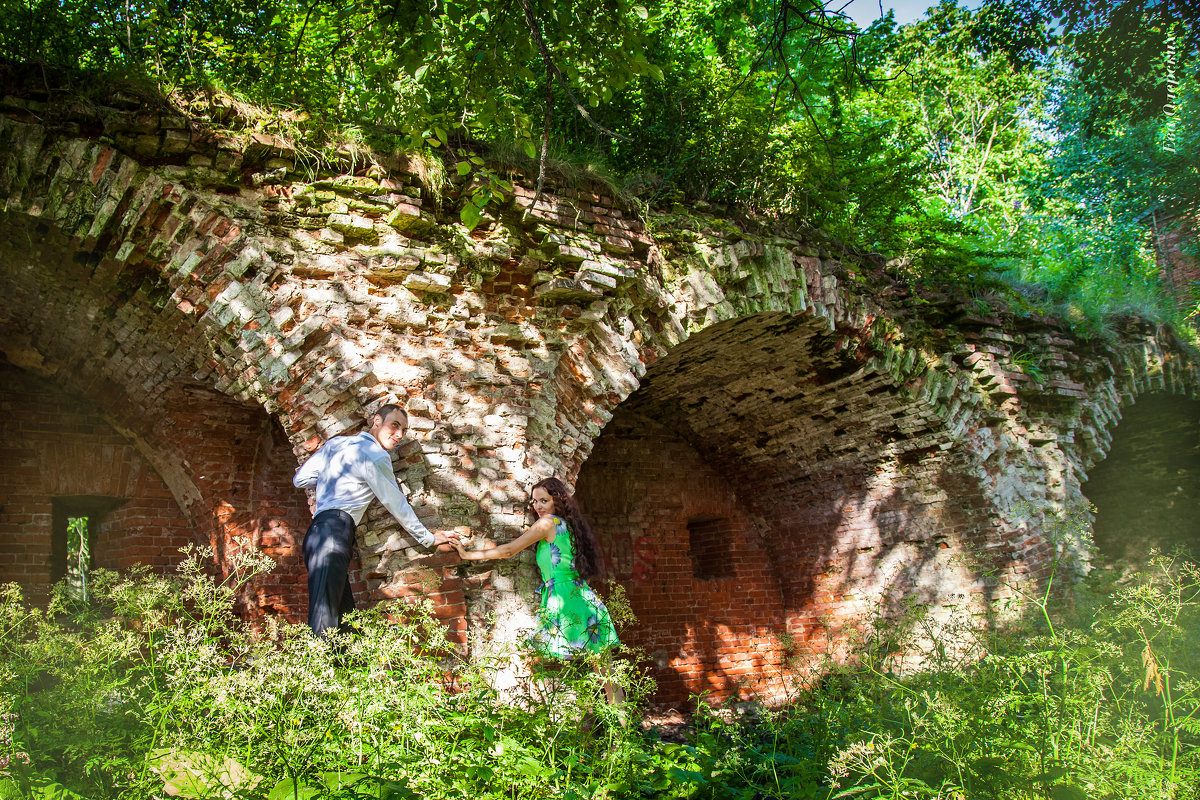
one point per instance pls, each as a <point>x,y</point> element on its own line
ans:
<point>242,463</point>
<point>57,446</point>
<point>859,544</point>
<point>1180,271</point>
<point>715,635</point>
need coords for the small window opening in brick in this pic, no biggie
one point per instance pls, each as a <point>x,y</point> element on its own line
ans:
<point>73,549</point>
<point>709,547</point>
<point>79,556</point>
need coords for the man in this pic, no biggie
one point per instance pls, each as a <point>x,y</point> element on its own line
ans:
<point>348,472</point>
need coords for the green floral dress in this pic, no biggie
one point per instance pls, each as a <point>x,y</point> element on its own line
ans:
<point>571,617</point>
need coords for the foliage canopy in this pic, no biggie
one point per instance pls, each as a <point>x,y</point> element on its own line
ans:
<point>1047,142</point>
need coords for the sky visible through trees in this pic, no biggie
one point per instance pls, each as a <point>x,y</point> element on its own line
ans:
<point>864,12</point>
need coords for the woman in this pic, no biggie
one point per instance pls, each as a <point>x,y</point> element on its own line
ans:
<point>572,618</point>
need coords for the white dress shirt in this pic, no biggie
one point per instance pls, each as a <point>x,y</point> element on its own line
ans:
<point>349,472</point>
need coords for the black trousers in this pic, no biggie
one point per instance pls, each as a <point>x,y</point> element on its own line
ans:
<point>328,546</point>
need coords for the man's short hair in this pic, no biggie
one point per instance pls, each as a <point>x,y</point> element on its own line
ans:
<point>388,408</point>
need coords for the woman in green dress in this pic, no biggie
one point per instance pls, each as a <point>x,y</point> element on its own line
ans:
<point>572,618</point>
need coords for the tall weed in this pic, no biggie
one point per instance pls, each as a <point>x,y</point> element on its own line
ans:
<point>155,688</point>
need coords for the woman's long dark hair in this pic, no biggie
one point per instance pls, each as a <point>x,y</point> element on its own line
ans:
<point>587,562</point>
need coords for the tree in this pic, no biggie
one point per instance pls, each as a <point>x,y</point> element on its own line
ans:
<point>1132,54</point>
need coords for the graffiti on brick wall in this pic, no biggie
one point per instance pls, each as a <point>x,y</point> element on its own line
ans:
<point>630,558</point>
<point>645,554</point>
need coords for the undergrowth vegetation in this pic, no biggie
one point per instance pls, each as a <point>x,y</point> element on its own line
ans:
<point>154,689</point>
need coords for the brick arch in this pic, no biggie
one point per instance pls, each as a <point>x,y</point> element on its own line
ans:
<point>864,473</point>
<point>137,299</point>
<point>602,365</point>
<point>1146,363</point>
<point>816,459</point>
<point>175,280</point>
<point>153,281</point>
<point>158,298</point>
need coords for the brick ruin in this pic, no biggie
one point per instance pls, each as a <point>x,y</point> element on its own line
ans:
<point>776,438</point>
<point>1178,267</point>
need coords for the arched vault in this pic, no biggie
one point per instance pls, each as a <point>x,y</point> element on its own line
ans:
<point>776,437</point>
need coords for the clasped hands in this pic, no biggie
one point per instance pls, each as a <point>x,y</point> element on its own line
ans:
<point>457,538</point>
<point>447,537</point>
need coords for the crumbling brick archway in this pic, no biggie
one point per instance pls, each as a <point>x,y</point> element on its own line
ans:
<point>105,337</point>
<point>839,493</point>
<point>818,480</point>
<point>224,310</point>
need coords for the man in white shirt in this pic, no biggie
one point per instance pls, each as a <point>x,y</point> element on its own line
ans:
<point>348,472</point>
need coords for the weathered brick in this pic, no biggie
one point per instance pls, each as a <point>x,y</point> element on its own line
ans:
<point>844,458</point>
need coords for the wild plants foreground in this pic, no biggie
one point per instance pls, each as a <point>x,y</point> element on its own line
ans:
<point>154,688</point>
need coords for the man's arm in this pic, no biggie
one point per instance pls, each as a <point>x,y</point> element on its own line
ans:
<point>382,480</point>
<point>306,476</point>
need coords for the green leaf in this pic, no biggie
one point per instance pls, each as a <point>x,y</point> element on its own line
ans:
<point>392,790</point>
<point>1051,774</point>
<point>855,791</point>
<point>686,775</point>
<point>287,790</point>
<point>54,791</point>
<point>471,215</point>
<point>1067,791</point>
<point>420,73</point>
<point>339,780</point>
<point>463,167</point>
<point>529,148</point>
<point>641,12</point>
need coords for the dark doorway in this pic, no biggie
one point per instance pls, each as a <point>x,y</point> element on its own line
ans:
<point>1147,491</point>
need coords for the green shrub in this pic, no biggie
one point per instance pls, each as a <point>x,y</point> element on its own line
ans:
<point>156,688</point>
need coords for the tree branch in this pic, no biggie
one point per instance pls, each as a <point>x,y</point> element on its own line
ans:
<point>537,195</point>
<point>982,162</point>
<point>535,31</point>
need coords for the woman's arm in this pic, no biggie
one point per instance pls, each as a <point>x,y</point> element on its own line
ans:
<point>534,533</point>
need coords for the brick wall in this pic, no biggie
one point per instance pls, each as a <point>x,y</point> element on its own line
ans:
<point>1178,268</point>
<point>242,466</point>
<point>225,310</point>
<point>709,608</point>
<point>61,448</point>
<point>57,446</point>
